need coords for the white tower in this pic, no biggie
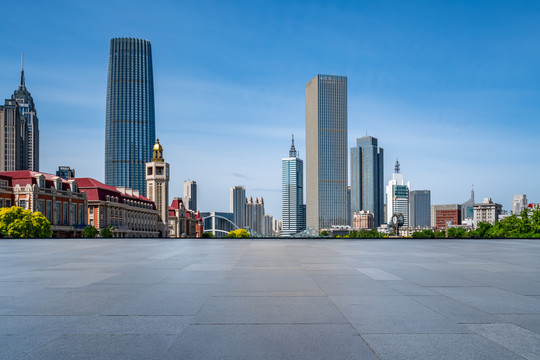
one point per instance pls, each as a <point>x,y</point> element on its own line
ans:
<point>157,184</point>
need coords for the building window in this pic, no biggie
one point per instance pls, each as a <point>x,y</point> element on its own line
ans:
<point>92,222</point>
<point>149,171</point>
<point>48,215</point>
<point>57,212</point>
<point>42,182</point>
<point>8,202</point>
<point>41,206</point>
<point>91,210</point>
<point>73,214</point>
<point>22,203</point>
<point>59,185</point>
<point>65,213</point>
<point>1,202</point>
<point>81,215</point>
<point>159,170</point>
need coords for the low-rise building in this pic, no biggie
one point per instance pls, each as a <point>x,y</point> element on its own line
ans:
<point>363,220</point>
<point>487,211</point>
<point>184,222</point>
<point>60,200</point>
<point>443,215</point>
<point>130,213</point>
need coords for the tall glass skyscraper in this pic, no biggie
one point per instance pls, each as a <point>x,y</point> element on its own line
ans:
<point>367,178</point>
<point>326,145</point>
<point>397,197</point>
<point>130,127</point>
<point>292,193</point>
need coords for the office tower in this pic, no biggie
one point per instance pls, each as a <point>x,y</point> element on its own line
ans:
<point>268,228</point>
<point>326,145</point>
<point>419,209</point>
<point>157,184</point>
<point>397,197</point>
<point>519,203</point>
<point>13,138</point>
<point>19,131</point>
<point>65,172</point>
<point>292,193</point>
<point>467,208</point>
<point>367,178</point>
<point>238,206</point>
<point>130,126</point>
<point>28,110</point>
<point>255,214</point>
<point>190,195</point>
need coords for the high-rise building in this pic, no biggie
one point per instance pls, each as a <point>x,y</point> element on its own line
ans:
<point>349,207</point>
<point>326,155</point>
<point>419,209</point>
<point>519,203</point>
<point>397,197</point>
<point>292,193</point>
<point>28,110</point>
<point>255,214</point>
<point>65,172</point>
<point>467,208</point>
<point>19,131</point>
<point>190,195</point>
<point>367,178</point>
<point>13,138</point>
<point>157,185</point>
<point>363,220</point>
<point>238,206</point>
<point>130,126</point>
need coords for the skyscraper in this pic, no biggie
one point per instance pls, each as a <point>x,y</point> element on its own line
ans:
<point>367,178</point>
<point>397,197</point>
<point>130,126</point>
<point>419,208</point>
<point>190,195</point>
<point>28,110</point>
<point>19,131</point>
<point>326,145</point>
<point>292,193</point>
<point>238,205</point>
<point>13,138</point>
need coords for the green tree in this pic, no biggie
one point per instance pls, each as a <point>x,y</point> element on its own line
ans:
<point>455,232</point>
<point>90,232</point>
<point>238,233</point>
<point>16,222</point>
<point>107,232</point>
<point>324,233</point>
<point>208,235</point>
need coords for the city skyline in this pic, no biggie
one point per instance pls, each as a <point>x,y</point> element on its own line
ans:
<point>460,97</point>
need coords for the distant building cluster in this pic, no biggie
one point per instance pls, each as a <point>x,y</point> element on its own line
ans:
<point>134,198</point>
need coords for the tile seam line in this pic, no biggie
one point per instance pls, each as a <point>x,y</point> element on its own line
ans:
<point>347,320</point>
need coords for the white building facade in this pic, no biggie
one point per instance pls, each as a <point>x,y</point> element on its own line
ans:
<point>397,197</point>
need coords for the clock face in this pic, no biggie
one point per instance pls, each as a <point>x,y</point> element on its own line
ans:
<point>394,219</point>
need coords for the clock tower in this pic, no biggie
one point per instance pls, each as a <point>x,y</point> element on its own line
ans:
<point>157,184</point>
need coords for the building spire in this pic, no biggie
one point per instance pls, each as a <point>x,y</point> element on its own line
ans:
<point>292,151</point>
<point>472,193</point>
<point>22,70</point>
<point>396,167</point>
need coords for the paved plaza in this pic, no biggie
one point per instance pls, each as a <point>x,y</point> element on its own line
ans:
<point>269,299</point>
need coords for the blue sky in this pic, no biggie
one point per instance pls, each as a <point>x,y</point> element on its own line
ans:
<point>451,88</point>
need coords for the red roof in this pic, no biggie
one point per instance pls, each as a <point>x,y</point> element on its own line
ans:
<point>96,190</point>
<point>24,177</point>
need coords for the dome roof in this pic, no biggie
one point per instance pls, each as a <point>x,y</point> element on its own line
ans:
<point>157,146</point>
